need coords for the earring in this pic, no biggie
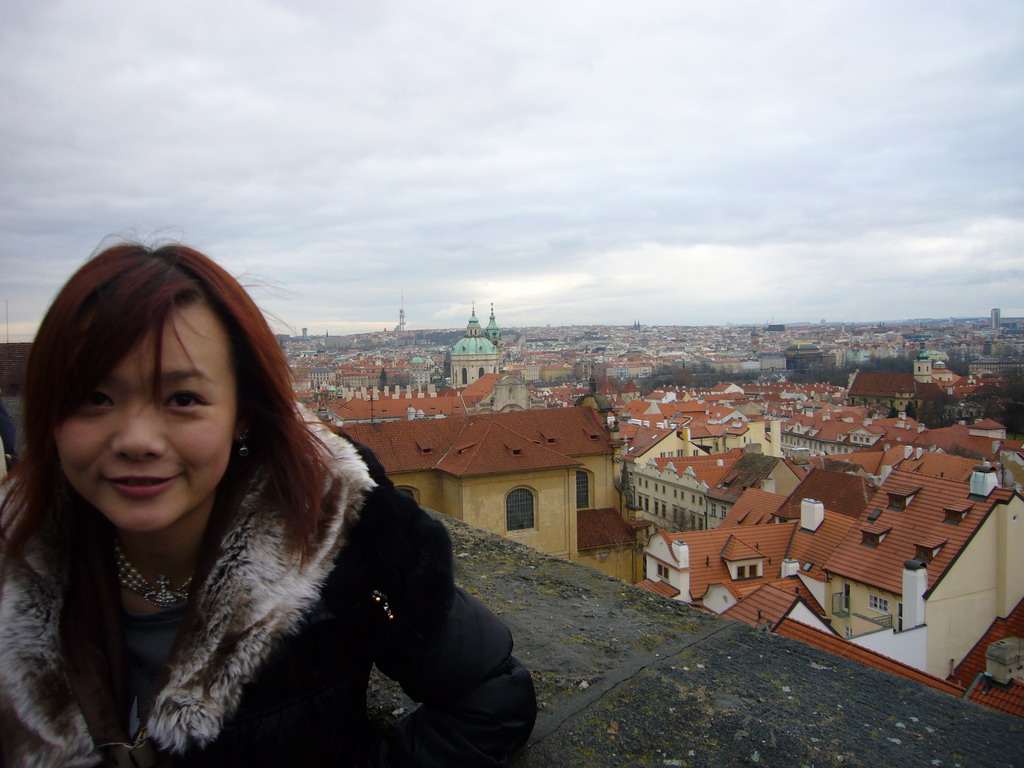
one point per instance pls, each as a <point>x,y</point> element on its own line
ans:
<point>243,449</point>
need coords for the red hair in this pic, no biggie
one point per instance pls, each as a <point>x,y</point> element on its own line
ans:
<point>116,300</point>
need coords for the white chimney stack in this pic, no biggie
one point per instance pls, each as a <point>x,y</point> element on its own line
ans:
<point>681,551</point>
<point>984,480</point>
<point>915,582</point>
<point>812,514</point>
<point>790,567</point>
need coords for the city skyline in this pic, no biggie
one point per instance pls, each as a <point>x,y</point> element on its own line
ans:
<point>672,163</point>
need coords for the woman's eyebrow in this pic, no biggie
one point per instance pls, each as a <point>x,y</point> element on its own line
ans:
<point>181,374</point>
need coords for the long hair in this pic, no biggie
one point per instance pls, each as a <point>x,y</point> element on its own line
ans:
<point>116,300</point>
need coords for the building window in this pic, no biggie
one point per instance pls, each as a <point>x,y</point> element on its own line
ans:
<point>662,571</point>
<point>877,603</point>
<point>848,631</point>
<point>582,489</point>
<point>519,509</point>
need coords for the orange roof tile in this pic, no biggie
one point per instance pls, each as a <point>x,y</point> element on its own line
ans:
<point>486,444</point>
<point>601,528</point>
<point>924,516</point>
<point>658,587</point>
<point>754,507</point>
<point>842,493</point>
<point>766,603</point>
<point>707,566</point>
<point>1007,698</point>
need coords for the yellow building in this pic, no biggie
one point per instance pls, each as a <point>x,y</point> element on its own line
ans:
<point>928,567</point>
<point>534,476</point>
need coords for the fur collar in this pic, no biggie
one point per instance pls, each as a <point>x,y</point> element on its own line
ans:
<point>254,594</point>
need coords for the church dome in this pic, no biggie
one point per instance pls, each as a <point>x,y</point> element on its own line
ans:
<point>474,345</point>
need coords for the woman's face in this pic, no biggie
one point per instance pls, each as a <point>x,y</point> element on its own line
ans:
<point>151,466</point>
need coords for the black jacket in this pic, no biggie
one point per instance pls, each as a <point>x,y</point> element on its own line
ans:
<point>273,669</point>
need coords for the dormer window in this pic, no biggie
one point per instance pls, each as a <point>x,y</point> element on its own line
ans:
<point>751,571</point>
<point>897,501</point>
<point>872,536</point>
<point>954,515</point>
<point>922,552</point>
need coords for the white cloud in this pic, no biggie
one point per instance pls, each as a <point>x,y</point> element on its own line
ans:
<point>813,159</point>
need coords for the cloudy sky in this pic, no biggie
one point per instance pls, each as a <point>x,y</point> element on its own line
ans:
<point>674,162</point>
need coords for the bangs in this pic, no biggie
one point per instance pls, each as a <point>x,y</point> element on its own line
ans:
<point>118,314</point>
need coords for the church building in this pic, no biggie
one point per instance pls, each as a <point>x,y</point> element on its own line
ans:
<point>477,353</point>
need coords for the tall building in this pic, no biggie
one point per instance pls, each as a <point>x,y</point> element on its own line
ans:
<point>476,353</point>
<point>995,315</point>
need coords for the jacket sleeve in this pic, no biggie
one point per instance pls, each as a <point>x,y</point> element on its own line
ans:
<point>443,646</point>
<point>478,700</point>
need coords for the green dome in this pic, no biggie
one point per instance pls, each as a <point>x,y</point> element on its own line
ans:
<point>474,345</point>
<point>417,360</point>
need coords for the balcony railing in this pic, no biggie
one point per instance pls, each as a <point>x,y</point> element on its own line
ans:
<point>840,604</point>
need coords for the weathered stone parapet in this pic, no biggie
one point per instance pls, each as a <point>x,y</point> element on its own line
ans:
<point>628,678</point>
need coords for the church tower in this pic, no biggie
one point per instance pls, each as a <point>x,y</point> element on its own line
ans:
<point>922,367</point>
<point>493,331</point>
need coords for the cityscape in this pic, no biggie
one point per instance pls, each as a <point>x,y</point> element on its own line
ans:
<point>835,483</point>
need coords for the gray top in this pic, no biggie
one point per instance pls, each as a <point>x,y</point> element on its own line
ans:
<point>149,637</point>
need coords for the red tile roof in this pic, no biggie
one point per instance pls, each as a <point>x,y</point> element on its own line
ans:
<point>486,444</point>
<point>754,507</point>
<point>658,588</point>
<point>842,493</point>
<point>922,518</point>
<point>602,528</point>
<point>767,603</point>
<point>974,663</point>
<point>1002,698</point>
<point>707,565</point>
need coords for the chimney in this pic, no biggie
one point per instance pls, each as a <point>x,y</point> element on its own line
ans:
<point>790,567</point>
<point>1004,660</point>
<point>719,463</point>
<point>908,451</point>
<point>918,452</point>
<point>984,480</point>
<point>920,427</point>
<point>915,582</point>
<point>681,551</point>
<point>812,514</point>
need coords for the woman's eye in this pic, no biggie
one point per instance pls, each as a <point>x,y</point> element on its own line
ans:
<point>96,398</point>
<point>184,399</point>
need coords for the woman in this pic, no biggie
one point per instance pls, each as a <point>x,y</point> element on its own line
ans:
<point>193,575</point>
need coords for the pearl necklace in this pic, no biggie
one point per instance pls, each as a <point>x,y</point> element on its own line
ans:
<point>161,595</point>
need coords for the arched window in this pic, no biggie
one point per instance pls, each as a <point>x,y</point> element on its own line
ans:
<point>465,375</point>
<point>582,489</point>
<point>519,507</point>
<point>480,373</point>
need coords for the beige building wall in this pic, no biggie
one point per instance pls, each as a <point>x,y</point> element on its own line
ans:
<point>984,583</point>
<point>857,620</point>
<point>623,562</point>
<point>602,480</point>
